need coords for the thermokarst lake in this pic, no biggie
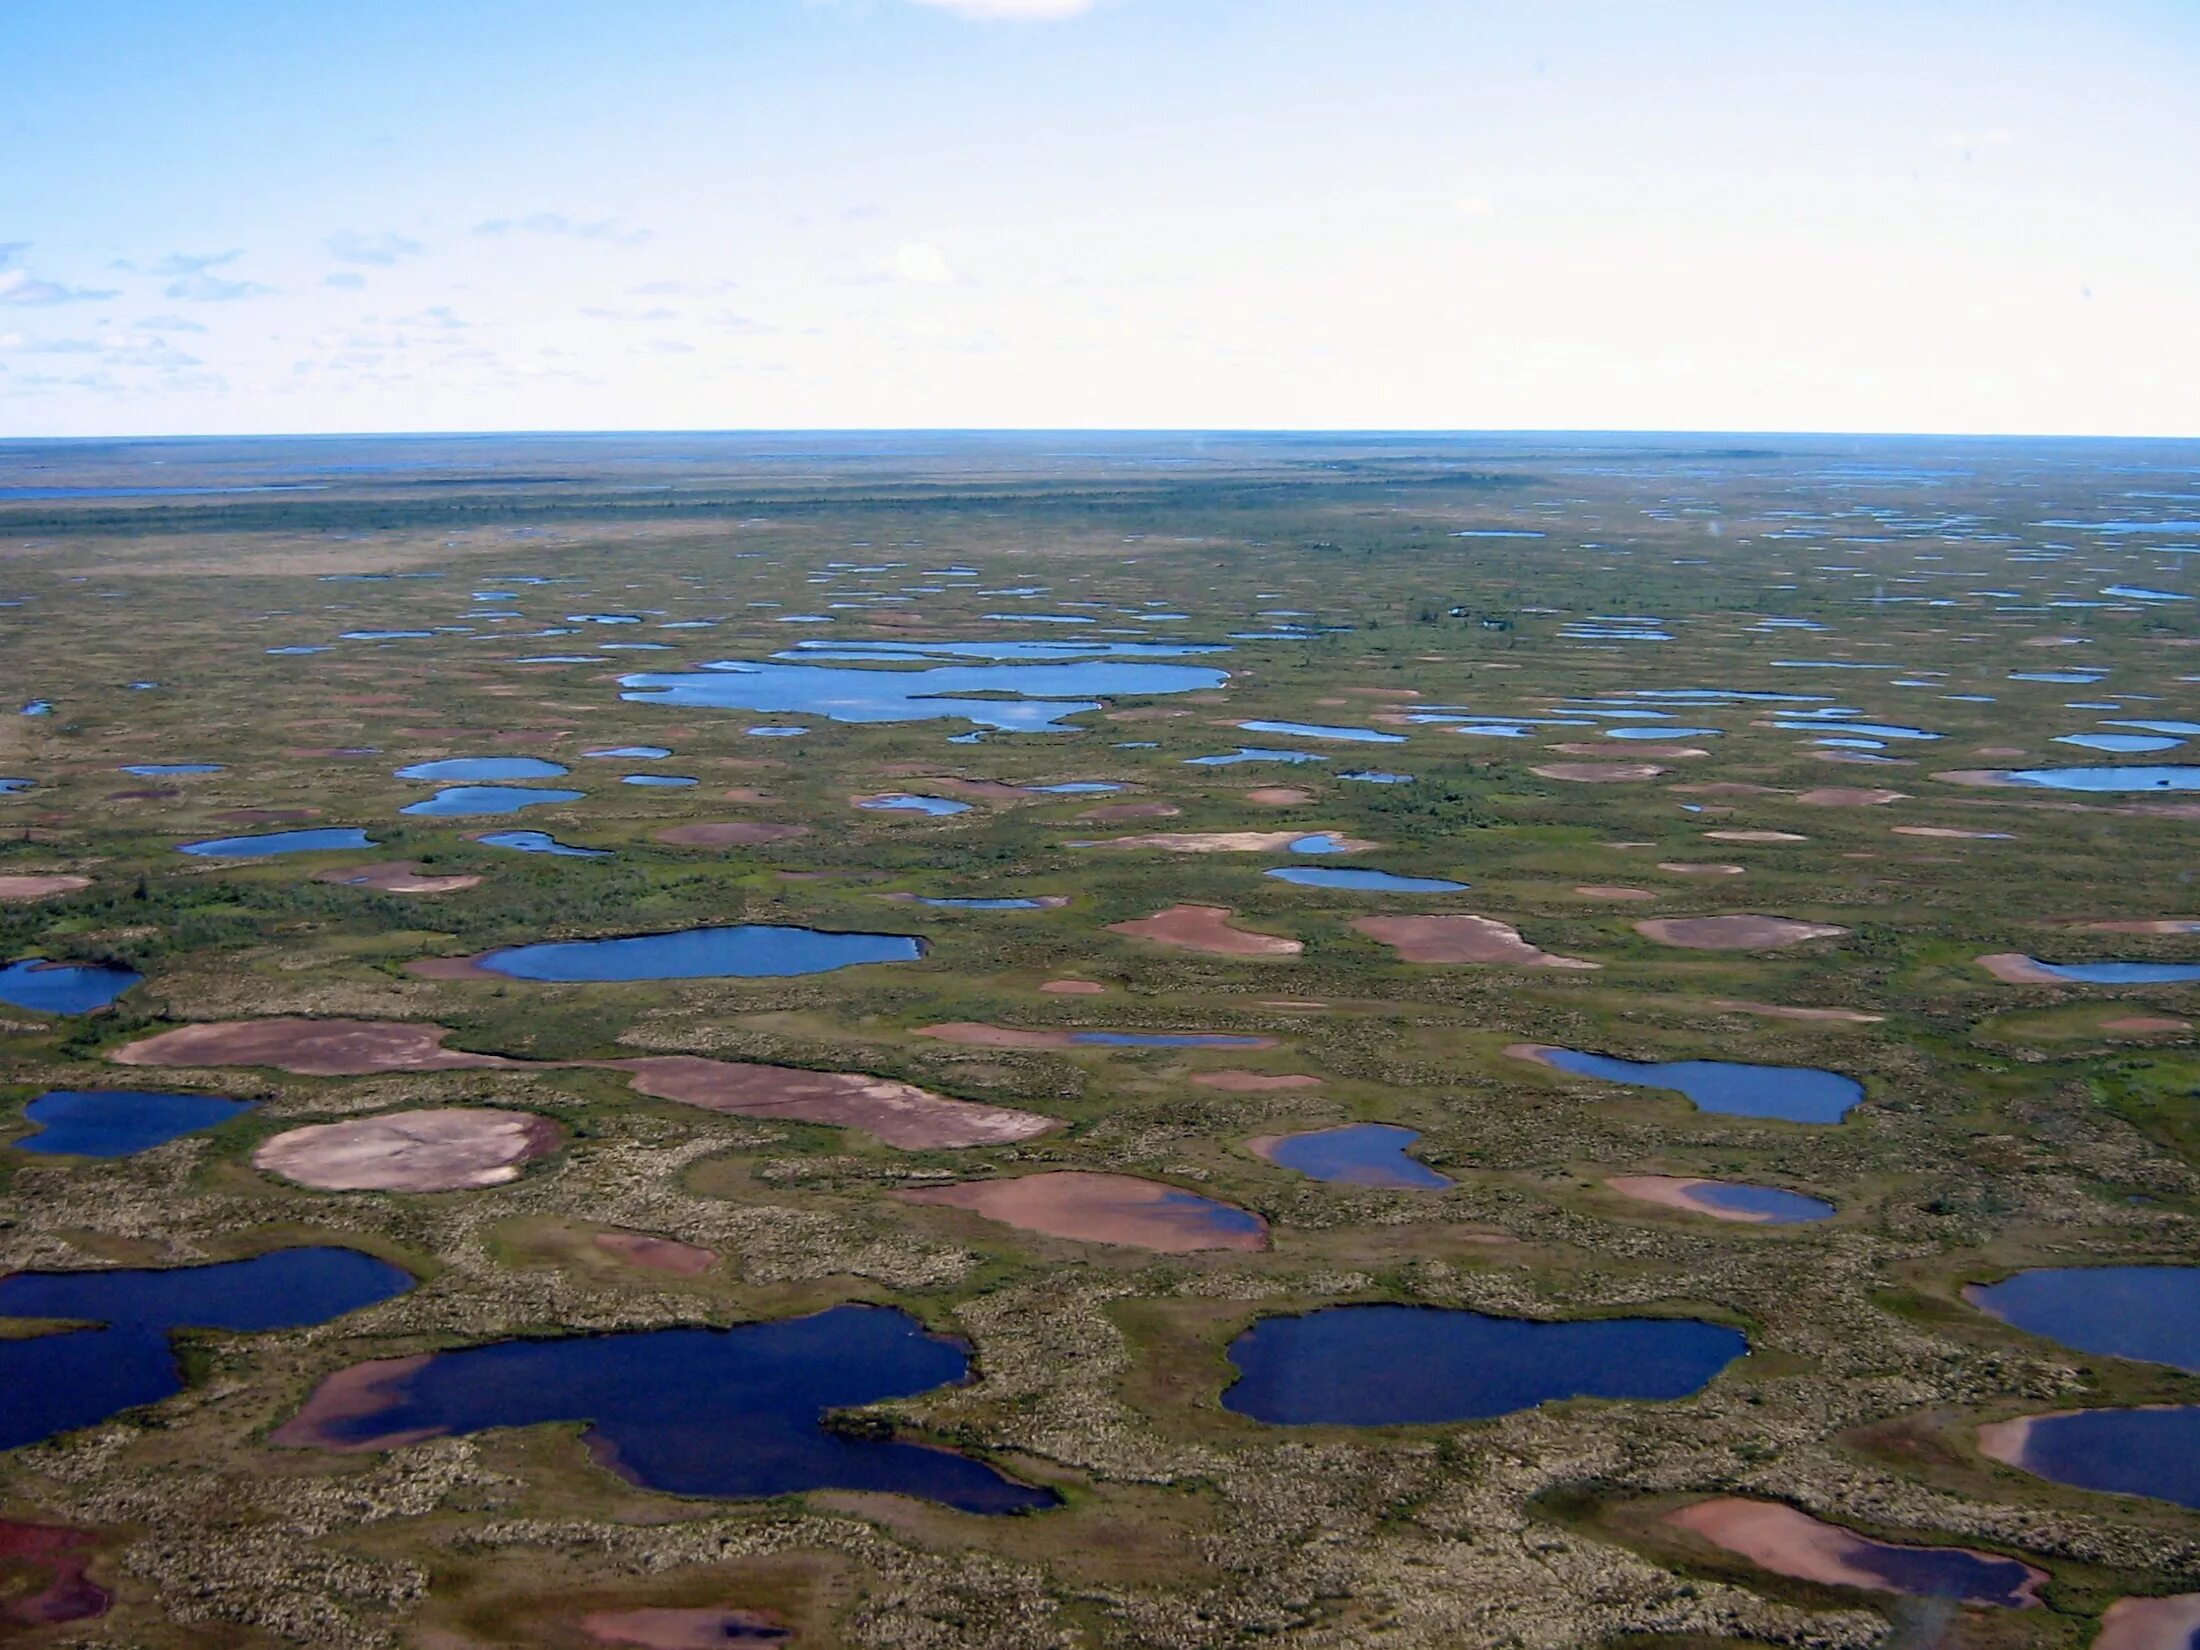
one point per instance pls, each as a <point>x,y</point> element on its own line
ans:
<point>831,1038</point>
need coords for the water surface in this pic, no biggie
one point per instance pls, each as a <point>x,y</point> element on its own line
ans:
<point>464,801</point>
<point>538,842</point>
<point>1357,1154</point>
<point>120,1122</point>
<point>2153,1452</point>
<point>2122,973</point>
<point>2150,1313</point>
<point>745,951</point>
<point>1371,1366</point>
<point>328,839</point>
<point>1796,1094</point>
<point>483,767</point>
<point>2126,778</point>
<point>1383,882</point>
<point>63,988</point>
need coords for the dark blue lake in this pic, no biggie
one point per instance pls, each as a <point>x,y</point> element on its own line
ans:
<point>1796,1094</point>
<point>460,801</point>
<point>2153,1451</point>
<point>63,988</point>
<point>118,1122</point>
<point>1372,1366</point>
<point>1357,1154</point>
<point>1378,882</point>
<point>2129,778</point>
<point>59,1382</point>
<point>483,767</point>
<point>1038,696</point>
<point>746,951</point>
<point>705,1412</point>
<point>2151,1313</point>
<point>326,840</point>
<point>538,842</point>
<point>2123,973</point>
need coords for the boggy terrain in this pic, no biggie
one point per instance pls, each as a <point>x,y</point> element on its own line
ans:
<point>1797,756</point>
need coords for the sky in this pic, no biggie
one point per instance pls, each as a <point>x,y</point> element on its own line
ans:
<point>260,216</point>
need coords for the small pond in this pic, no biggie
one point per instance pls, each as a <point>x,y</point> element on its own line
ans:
<point>58,1382</point>
<point>1796,1094</point>
<point>329,839</point>
<point>148,770</point>
<point>63,988</point>
<point>2153,1451</point>
<point>989,904</point>
<point>1356,1154</point>
<point>470,768</point>
<point>1317,730</point>
<point>702,1412</point>
<point>2151,1313</point>
<point>631,753</point>
<point>2126,778</point>
<point>538,842</point>
<point>1769,1204</point>
<point>2121,973</point>
<point>744,951</point>
<point>1441,1364</point>
<point>1379,882</point>
<point>120,1122</point>
<point>462,801</point>
<point>1162,1039</point>
<point>661,781</point>
<point>938,806</point>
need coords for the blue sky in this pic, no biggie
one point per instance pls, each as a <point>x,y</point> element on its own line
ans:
<point>252,216</point>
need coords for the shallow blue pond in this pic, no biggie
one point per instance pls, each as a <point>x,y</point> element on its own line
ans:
<point>1319,842</point>
<point>2130,778</point>
<point>1375,776</point>
<point>631,753</point>
<point>148,770</point>
<point>63,988</point>
<point>901,803</point>
<point>56,1383</point>
<point>1041,696</point>
<point>709,1412</point>
<point>538,842</point>
<point>1771,1204</point>
<point>465,801</point>
<point>747,951</point>
<point>2123,973</point>
<point>2128,744</point>
<point>987,904</point>
<point>1246,753</point>
<point>2150,1313</point>
<point>1358,1154</point>
<point>1162,1039</point>
<point>483,767</point>
<point>325,840</point>
<point>1381,882</point>
<point>1796,1094</point>
<point>1317,730</point>
<point>2153,1452</point>
<point>660,781</point>
<point>120,1122</point>
<point>1370,1366</point>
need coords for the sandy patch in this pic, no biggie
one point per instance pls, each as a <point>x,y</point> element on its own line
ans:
<point>1255,1082</point>
<point>1687,868</point>
<point>1756,836</point>
<point>1074,988</point>
<point>65,1555</point>
<point>668,1629</point>
<point>1648,752</point>
<point>728,833</point>
<point>311,1048</point>
<point>2171,1623</point>
<point>40,885</point>
<point>901,1114</point>
<point>1843,796</point>
<point>2145,1025</point>
<point>1605,890</point>
<point>2149,925</point>
<point>1104,1208</point>
<point>1279,796</point>
<point>449,1149</point>
<point>1946,833</point>
<point>656,1254</point>
<point>2015,968</point>
<point>1736,933</point>
<point>396,877</point>
<point>1206,928</point>
<point>450,968</point>
<point>746,793</point>
<point>353,1394</point>
<point>1126,813</point>
<point>1598,773</point>
<point>1679,1192</point>
<point>1792,1543</point>
<point>1781,1011</point>
<point>1724,787</point>
<point>1461,939</point>
<point>1228,842</point>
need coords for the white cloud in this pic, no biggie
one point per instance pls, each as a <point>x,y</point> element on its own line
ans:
<point>921,263</point>
<point>349,279</point>
<point>353,248</point>
<point>557,223</point>
<point>20,286</point>
<point>201,288</point>
<point>1028,11</point>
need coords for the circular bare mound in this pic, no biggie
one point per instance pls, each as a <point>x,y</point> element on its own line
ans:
<point>1462,939</point>
<point>1255,1082</point>
<point>1206,928</point>
<point>1738,933</point>
<point>2144,925</point>
<point>311,1048</point>
<point>1949,833</point>
<point>2015,968</point>
<point>1598,773</point>
<point>728,833</point>
<point>1757,836</point>
<point>451,1149</point>
<point>1653,753</point>
<point>1279,796</point>
<point>1699,868</point>
<point>1104,1208</point>
<point>1074,988</point>
<point>1839,796</point>
<point>667,1629</point>
<point>2169,1623</point>
<point>1605,890</point>
<point>42,885</point>
<point>1780,1011</point>
<point>2145,1025</point>
<point>1122,813</point>
<point>396,877</point>
<point>901,1114</point>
